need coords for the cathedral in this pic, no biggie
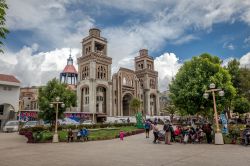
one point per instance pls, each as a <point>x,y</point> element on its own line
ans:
<point>99,94</point>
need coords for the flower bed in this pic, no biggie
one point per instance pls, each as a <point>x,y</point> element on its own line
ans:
<point>234,135</point>
<point>42,134</point>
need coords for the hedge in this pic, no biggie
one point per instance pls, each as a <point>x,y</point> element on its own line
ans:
<point>73,127</point>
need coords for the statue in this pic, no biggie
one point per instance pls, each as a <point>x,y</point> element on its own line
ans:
<point>139,120</point>
<point>224,123</point>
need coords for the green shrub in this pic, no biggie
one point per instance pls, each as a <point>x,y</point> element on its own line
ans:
<point>37,136</point>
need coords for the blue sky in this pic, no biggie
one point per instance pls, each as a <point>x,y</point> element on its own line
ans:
<point>172,31</point>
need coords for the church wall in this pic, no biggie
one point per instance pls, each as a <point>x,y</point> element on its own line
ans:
<point>141,83</point>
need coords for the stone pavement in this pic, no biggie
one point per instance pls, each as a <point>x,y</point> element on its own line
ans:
<point>134,151</point>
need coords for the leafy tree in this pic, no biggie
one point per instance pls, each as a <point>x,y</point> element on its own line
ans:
<point>135,104</point>
<point>171,109</point>
<point>244,83</point>
<point>193,79</point>
<point>48,93</point>
<point>241,81</point>
<point>241,105</point>
<point>233,68</point>
<point>3,29</point>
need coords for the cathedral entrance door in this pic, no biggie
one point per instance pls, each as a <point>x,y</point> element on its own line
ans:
<point>125,104</point>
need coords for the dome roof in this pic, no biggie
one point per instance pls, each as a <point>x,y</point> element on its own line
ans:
<point>69,69</point>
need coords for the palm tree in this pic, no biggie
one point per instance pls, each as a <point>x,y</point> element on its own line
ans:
<point>135,104</point>
<point>171,109</point>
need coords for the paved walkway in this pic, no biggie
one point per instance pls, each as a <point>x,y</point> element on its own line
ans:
<point>134,151</point>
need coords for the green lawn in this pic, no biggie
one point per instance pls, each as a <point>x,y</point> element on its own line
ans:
<point>94,134</point>
<point>108,134</point>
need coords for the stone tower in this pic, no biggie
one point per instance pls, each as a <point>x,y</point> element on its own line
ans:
<point>148,77</point>
<point>94,90</point>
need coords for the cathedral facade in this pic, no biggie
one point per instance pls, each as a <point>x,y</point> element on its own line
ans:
<point>99,94</point>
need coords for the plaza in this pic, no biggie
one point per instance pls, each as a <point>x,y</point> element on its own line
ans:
<point>124,83</point>
<point>134,150</point>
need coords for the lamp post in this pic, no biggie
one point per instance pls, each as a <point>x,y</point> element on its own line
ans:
<point>57,102</point>
<point>218,134</point>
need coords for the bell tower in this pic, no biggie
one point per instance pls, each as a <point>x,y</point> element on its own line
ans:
<point>94,92</point>
<point>94,43</point>
<point>148,78</point>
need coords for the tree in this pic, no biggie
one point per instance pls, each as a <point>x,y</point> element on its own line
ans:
<point>241,105</point>
<point>194,77</point>
<point>233,68</point>
<point>135,104</point>
<point>171,109</point>
<point>3,29</point>
<point>48,94</point>
<point>244,83</point>
<point>241,81</point>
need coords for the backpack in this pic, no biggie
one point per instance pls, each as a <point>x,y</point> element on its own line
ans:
<point>147,125</point>
<point>166,127</point>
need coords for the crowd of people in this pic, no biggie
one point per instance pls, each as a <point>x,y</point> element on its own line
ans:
<point>185,134</point>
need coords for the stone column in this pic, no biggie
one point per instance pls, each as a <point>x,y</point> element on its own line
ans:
<point>78,101</point>
<point>109,73</point>
<point>147,103</point>
<point>92,96</point>
<point>118,97</point>
<point>146,82</point>
<point>144,64</point>
<point>157,104</point>
<point>92,69</point>
<point>92,45</point>
<point>109,101</point>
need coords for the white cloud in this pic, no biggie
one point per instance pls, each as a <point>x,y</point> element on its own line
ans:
<point>229,46</point>
<point>245,60</point>
<point>167,66</point>
<point>167,21</point>
<point>185,39</point>
<point>36,69</point>
<point>226,61</point>
<point>49,21</point>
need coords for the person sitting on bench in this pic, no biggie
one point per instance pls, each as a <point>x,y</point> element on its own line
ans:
<point>85,134</point>
<point>246,135</point>
<point>70,135</point>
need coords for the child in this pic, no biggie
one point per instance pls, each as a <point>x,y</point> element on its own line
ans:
<point>121,135</point>
<point>147,128</point>
<point>79,134</point>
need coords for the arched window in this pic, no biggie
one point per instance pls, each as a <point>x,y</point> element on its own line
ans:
<point>141,83</point>
<point>85,72</point>
<point>101,72</point>
<point>124,81</point>
<point>152,84</point>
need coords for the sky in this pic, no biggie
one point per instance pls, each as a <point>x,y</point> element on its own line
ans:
<point>42,33</point>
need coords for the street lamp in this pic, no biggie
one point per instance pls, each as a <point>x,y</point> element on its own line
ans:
<point>218,134</point>
<point>57,102</point>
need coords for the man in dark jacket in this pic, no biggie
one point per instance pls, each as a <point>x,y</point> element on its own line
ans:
<point>207,129</point>
<point>167,130</point>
